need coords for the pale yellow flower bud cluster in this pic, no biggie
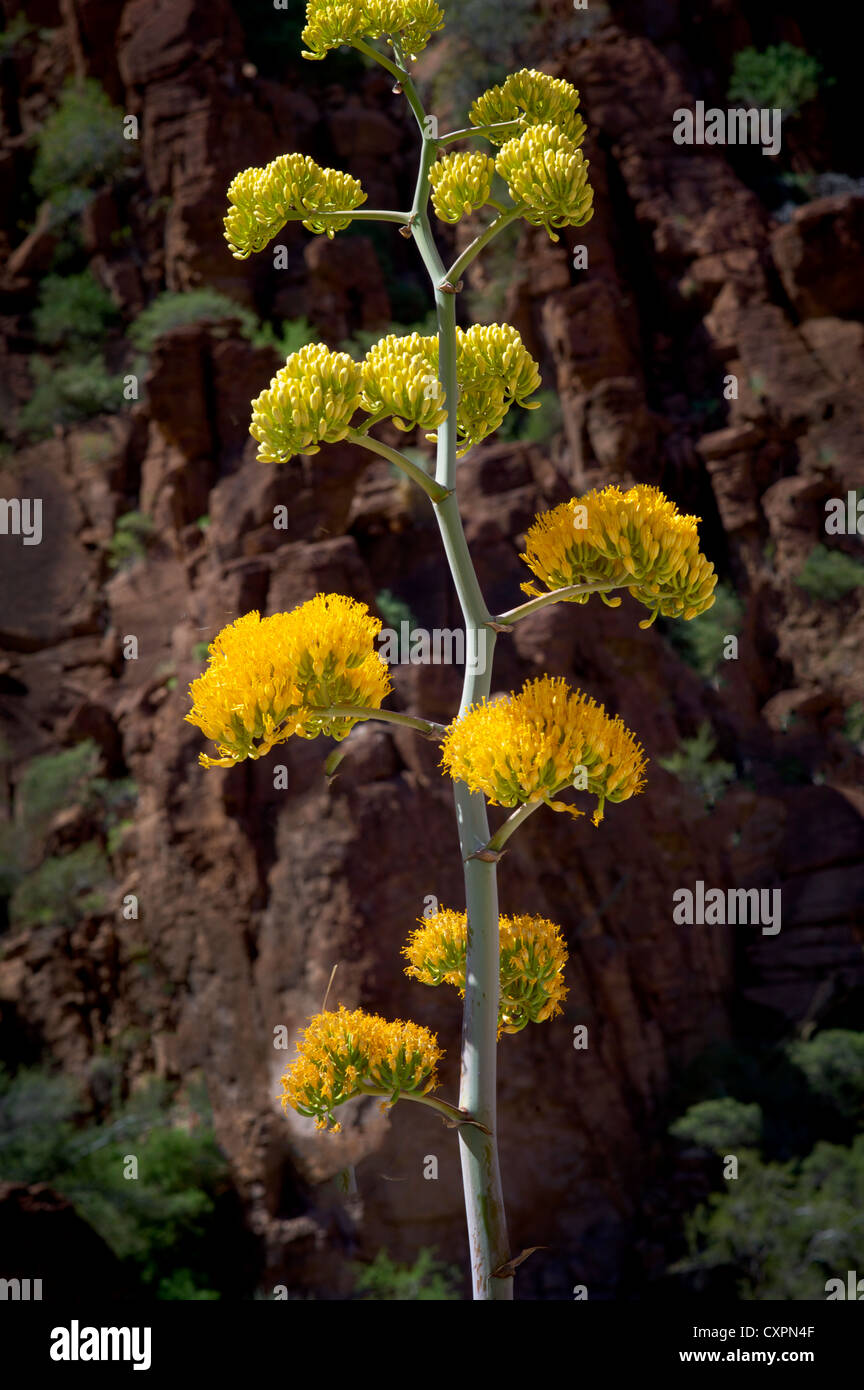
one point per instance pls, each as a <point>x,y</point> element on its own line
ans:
<point>262,200</point>
<point>332,23</point>
<point>461,183</point>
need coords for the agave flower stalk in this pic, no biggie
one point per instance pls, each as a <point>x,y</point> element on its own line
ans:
<point>314,671</point>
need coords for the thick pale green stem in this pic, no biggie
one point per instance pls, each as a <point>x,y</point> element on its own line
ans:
<point>481,1177</point>
<point>376,446</point>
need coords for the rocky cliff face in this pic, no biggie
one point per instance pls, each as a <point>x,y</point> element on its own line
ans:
<point>249,894</point>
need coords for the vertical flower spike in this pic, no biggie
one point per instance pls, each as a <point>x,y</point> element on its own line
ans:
<point>270,678</point>
<point>545,170</point>
<point>309,402</point>
<point>461,184</point>
<point>614,537</point>
<point>533,97</point>
<point>533,956</point>
<point>342,1054</point>
<point>533,745</point>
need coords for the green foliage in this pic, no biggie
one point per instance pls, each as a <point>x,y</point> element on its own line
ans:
<point>394,610</point>
<point>129,542</point>
<point>533,426</point>
<point>783,76</point>
<point>171,310</point>
<point>693,764</point>
<point>63,889</point>
<point>833,1063</point>
<point>784,1229</point>
<point>427,1280</point>
<point>73,310</point>
<point>291,336</point>
<point>81,144</point>
<point>853,725</point>
<point>485,45</point>
<point>722,1125</point>
<point>699,641</point>
<point>200,651</point>
<point>67,393</point>
<point>366,338</point>
<point>830,575</point>
<point>158,1223</point>
<point>55,780</point>
<point>17,32</point>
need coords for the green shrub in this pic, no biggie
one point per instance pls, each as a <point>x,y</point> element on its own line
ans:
<point>830,575</point>
<point>54,780</point>
<point>853,725</point>
<point>81,144</point>
<point>783,76</point>
<point>170,310</point>
<point>67,393</point>
<point>73,310</point>
<point>200,651</point>
<point>533,426</point>
<point>783,1229</point>
<point>427,1280</point>
<point>722,1125</point>
<point>159,1224</point>
<point>129,542</point>
<point>700,641</point>
<point>18,31</point>
<point>63,889</point>
<point>291,336</point>
<point>394,610</point>
<point>833,1063</point>
<point>693,764</point>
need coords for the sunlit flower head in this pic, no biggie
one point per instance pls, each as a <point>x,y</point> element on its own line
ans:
<point>614,537</point>
<point>271,678</point>
<point>545,170</point>
<point>461,183</point>
<point>531,746</point>
<point>400,379</point>
<point>332,23</point>
<point>495,371</point>
<point>262,200</point>
<point>309,402</point>
<point>535,97</point>
<point>346,1054</point>
<point>532,960</point>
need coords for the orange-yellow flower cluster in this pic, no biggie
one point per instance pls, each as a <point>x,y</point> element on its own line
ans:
<point>616,538</point>
<point>532,957</point>
<point>530,746</point>
<point>270,678</point>
<point>346,1054</point>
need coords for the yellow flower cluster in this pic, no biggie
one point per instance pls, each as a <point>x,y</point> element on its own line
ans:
<point>262,200</point>
<point>269,678</point>
<point>495,371</point>
<point>461,183</point>
<point>400,379</point>
<point>546,172</point>
<point>534,97</point>
<point>332,23</point>
<point>614,537</point>
<point>532,956</point>
<point>343,1053</point>
<point>309,402</point>
<point>530,746</point>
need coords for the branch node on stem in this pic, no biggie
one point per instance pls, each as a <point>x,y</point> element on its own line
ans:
<point>499,627</point>
<point>447,288</point>
<point>489,856</point>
